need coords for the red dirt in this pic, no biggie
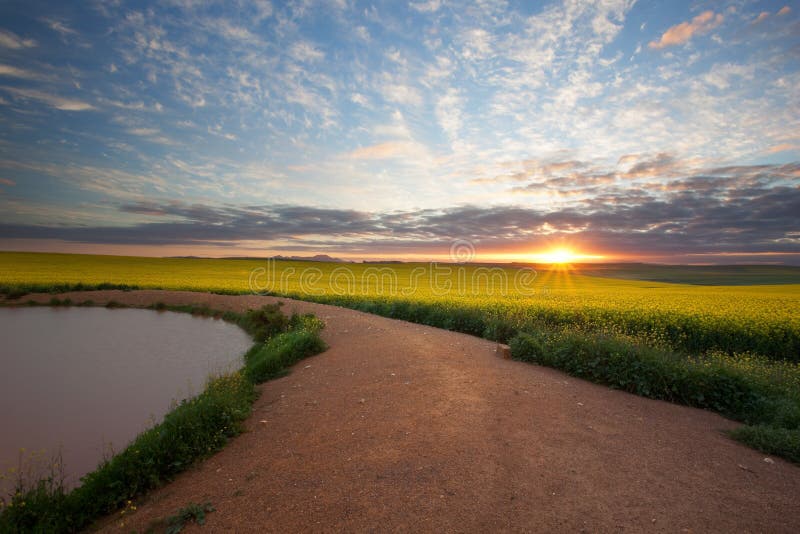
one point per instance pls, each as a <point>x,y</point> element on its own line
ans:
<point>404,427</point>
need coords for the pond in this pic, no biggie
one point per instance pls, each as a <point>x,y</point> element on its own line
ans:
<point>81,382</point>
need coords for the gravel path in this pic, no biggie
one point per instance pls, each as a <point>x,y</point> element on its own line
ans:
<point>401,427</point>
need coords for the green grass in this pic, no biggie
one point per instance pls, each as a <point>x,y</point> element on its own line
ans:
<point>194,429</point>
<point>771,440</point>
<point>709,383</point>
<point>760,393</point>
<point>270,359</point>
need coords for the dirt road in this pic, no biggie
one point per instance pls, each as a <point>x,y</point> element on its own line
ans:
<point>401,427</point>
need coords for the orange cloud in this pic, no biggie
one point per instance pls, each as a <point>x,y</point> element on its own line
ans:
<point>681,33</point>
<point>761,16</point>
<point>781,148</point>
<point>388,150</point>
<point>785,10</point>
<point>6,181</point>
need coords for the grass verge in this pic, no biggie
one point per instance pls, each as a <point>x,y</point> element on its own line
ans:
<point>193,430</point>
<point>769,405</point>
<point>771,440</point>
<point>17,291</point>
<point>270,359</point>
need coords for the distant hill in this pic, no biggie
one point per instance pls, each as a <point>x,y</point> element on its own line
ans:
<point>318,257</point>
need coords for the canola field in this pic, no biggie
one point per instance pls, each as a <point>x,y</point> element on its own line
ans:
<point>732,349</point>
<point>763,320</point>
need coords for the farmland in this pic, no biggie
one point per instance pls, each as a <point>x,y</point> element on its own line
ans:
<point>763,319</point>
<point>732,349</point>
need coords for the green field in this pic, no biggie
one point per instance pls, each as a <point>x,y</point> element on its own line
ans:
<point>730,348</point>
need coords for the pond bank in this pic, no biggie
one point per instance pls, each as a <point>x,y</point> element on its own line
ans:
<point>194,429</point>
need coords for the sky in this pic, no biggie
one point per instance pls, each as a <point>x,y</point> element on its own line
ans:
<point>624,130</point>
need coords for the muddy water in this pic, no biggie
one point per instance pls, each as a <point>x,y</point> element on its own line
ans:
<point>80,382</point>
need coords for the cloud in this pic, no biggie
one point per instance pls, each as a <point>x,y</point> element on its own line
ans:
<point>232,31</point>
<point>448,112</point>
<point>6,181</point>
<point>574,175</point>
<point>14,72</point>
<point>144,208</point>
<point>477,85</point>
<point>476,44</point>
<point>533,169</point>
<point>306,52</point>
<point>430,6</point>
<point>683,32</point>
<point>713,213</point>
<point>761,16</point>
<point>785,10</point>
<point>358,98</point>
<point>312,102</point>
<point>263,9</point>
<point>132,106</point>
<point>388,150</point>
<point>362,33</point>
<point>662,165</point>
<point>12,40</point>
<point>400,93</point>
<point>721,74</point>
<point>111,182</point>
<point>59,26</point>
<point>55,101</point>
<point>783,147</point>
<point>143,132</point>
<point>394,55</point>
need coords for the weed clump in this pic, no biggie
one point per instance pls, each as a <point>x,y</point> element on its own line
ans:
<point>272,358</point>
<point>265,322</point>
<point>192,512</point>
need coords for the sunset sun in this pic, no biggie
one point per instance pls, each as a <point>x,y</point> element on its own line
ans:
<point>558,255</point>
<point>561,256</point>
